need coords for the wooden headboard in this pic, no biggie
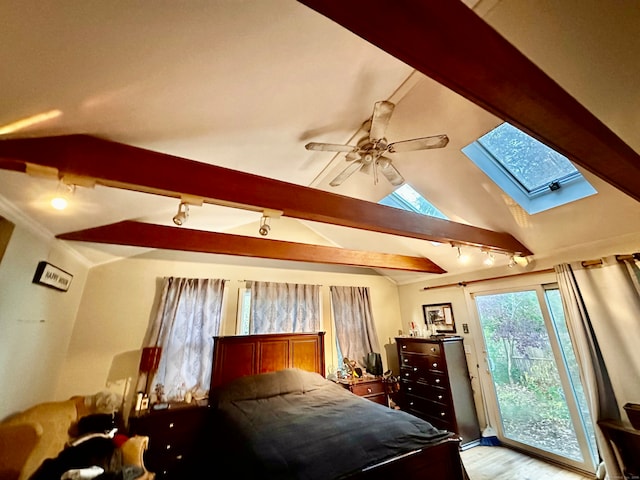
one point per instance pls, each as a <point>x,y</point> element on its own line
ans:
<point>240,355</point>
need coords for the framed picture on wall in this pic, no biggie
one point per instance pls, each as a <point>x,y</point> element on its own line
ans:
<point>440,315</point>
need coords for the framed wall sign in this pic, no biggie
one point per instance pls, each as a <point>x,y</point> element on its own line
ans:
<point>440,315</point>
<point>52,277</point>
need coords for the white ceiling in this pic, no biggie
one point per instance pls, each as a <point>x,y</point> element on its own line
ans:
<point>246,84</point>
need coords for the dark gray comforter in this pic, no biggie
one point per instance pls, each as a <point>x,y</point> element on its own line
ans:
<point>296,424</point>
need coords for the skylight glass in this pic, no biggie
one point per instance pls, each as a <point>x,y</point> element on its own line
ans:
<point>534,175</point>
<point>407,198</point>
<point>531,162</point>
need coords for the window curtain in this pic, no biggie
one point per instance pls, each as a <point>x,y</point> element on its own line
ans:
<point>355,329</point>
<point>189,316</point>
<point>284,308</point>
<point>602,308</point>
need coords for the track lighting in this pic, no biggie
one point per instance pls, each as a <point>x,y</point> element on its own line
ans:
<point>264,226</point>
<point>489,259</point>
<point>512,261</point>
<point>182,215</point>
<point>61,200</point>
<point>463,257</point>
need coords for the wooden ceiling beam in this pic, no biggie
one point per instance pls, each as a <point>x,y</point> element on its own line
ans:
<point>123,166</point>
<point>172,238</point>
<point>448,42</point>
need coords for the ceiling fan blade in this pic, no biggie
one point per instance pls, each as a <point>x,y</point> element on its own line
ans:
<point>352,156</point>
<point>390,172</point>
<point>367,168</point>
<point>346,173</point>
<point>329,147</point>
<point>381,115</point>
<point>424,143</point>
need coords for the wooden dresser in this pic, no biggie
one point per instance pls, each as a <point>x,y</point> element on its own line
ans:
<point>435,385</point>
<point>370,388</point>
<point>174,437</point>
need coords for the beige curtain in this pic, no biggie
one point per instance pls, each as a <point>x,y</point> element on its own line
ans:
<point>188,317</point>
<point>355,329</point>
<point>602,304</point>
<point>284,308</point>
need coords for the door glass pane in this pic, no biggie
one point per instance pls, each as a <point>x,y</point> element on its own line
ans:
<point>530,397</point>
<point>554,301</point>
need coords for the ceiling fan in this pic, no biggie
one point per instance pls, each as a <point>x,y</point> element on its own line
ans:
<point>368,155</point>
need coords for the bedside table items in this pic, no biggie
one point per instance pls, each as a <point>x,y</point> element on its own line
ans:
<point>352,369</point>
<point>374,364</point>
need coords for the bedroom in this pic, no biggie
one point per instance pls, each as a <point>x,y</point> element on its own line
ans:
<point>65,342</point>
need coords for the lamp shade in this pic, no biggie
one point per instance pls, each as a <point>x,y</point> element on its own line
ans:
<point>150,359</point>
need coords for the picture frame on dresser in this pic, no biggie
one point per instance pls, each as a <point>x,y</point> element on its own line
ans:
<point>440,315</point>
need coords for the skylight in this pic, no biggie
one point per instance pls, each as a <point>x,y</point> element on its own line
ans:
<point>534,175</point>
<point>406,198</point>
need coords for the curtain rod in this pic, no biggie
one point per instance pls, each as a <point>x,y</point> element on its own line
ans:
<point>314,284</point>
<point>465,283</point>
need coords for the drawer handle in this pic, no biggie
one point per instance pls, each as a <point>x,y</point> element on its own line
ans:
<point>171,425</point>
<point>178,457</point>
<point>411,404</point>
<point>437,380</point>
<point>405,360</point>
<point>404,346</point>
<point>368,390</point>
<point>435,365</point>
<point>439,397</point>
<point>415,369</point>
<point>409,388</point>
<point>433,349</point>
<point>442,414</point>
<point>406,374</point>
<point>168,447</point>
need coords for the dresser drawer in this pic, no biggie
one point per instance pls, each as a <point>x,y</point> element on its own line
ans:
<point>426,348</point>
<point>431,411</point>
<point>430,362</point>
<point>428,392</point>
<point>424,376</point>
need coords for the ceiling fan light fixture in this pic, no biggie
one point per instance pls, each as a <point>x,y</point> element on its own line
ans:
<point>183,214</point>
<point>371,148</point>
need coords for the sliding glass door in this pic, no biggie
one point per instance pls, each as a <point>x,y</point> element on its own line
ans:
<point>532,385</point>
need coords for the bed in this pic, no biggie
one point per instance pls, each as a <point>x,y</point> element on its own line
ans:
<point>275,416</point>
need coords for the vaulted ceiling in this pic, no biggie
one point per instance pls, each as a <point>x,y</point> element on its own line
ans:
<point>241,88</point>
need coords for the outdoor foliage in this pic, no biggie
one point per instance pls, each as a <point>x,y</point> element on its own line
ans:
<point>532,402</point>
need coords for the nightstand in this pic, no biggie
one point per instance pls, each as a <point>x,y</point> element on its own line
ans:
<point>174,435</point>
<point>370,388</point>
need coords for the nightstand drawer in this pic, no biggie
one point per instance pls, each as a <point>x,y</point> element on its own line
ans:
<point>368,388</point>
<point>173,437</point>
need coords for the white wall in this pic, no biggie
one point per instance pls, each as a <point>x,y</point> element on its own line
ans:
<point>36,322</point>
<point>120,299</point>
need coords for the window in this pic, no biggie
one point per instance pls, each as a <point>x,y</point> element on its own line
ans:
<point>270,307</point>
<point>534,175</point>
<point>407,198</point>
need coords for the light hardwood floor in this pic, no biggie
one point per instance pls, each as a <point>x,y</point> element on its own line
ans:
<point>500,463</point>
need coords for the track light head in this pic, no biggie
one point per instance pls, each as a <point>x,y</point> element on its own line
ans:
<point>182,215</point>
<point>265,228</point>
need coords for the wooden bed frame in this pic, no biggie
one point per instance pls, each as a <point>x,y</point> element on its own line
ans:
<point>237,356</point>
